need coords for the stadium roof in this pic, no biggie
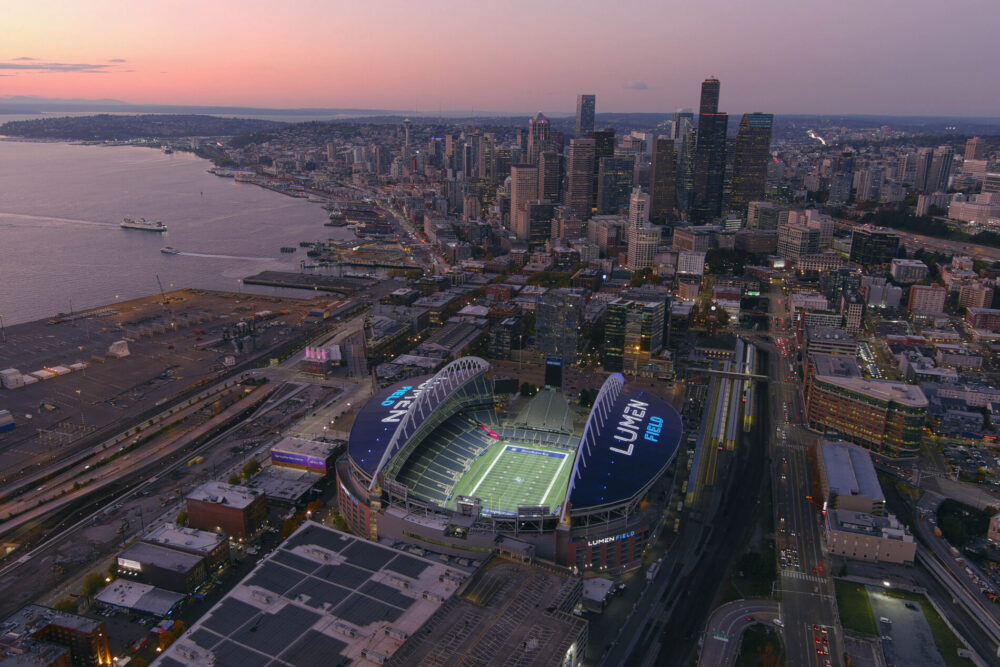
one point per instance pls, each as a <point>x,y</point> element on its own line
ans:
<point>631,436</point>
<point>322,598</point>
<point>389,418</point>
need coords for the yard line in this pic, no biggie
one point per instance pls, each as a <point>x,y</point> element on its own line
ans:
<point>554,478</point>
<point>487,473</point>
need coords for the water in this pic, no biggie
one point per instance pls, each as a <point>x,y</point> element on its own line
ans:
<point>61,246</point>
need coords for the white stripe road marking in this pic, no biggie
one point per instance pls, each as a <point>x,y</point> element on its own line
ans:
<point>794,574</point>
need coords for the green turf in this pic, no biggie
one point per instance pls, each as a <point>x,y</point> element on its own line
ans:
<point>855,609</point>
<point>504,479</point>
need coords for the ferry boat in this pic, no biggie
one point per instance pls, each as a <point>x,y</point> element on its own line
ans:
<point>169,250</point>
<point>143,224</point>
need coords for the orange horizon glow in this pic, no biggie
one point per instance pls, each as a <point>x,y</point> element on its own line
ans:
<point>772,55</point>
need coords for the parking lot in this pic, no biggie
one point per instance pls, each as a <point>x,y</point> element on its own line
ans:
<point>906,638</point>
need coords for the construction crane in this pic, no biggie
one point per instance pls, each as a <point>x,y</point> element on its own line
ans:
<point>164,296</point>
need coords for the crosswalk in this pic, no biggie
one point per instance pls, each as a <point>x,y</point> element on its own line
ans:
<point>795,574</point>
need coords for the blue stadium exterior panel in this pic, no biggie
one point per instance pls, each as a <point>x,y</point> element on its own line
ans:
<point>378,419</point>
<point>638,440</point>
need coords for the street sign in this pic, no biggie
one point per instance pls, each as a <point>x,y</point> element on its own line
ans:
<point>721,636</point>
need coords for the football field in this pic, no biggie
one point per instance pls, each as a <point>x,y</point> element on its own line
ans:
<point>508,475</point>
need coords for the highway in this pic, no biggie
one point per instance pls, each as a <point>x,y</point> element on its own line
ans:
<point>914,242</point>
<point>721,644</point>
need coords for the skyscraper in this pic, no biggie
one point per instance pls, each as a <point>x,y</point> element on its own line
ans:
<point>681,116</point>
<point>974,149</point>
<point>753,150</point>
<point>940,171</point>
<point>523,190</point>
<point>614,183</point>
<point>923,169</point>
<point>538,136</point>
<point>638,208</point>
<point>585,105</point>
<point>604,146</point>
<point>662,180</point>
<point>580,177</point>
<point>710,154</point>
<point>558,317</point>
<point>549,175</point>
<point>633,331</point>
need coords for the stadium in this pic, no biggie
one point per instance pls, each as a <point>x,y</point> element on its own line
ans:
<point>434,460</point>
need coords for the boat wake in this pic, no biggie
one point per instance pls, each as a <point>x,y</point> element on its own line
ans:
<point>249,259</point>
<point>47,218</point>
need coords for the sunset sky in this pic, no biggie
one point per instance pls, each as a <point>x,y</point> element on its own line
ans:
<point>905,57</point>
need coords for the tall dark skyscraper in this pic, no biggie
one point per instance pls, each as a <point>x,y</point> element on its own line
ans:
<point>549,175</point>
<point>710,154</point>
<point>614,184</point>
<point>709,97</point>
<point>580,177</point>
<point>585,105</point>
<point>753,150</point>
<point>604,146</point>
<point>538,137</point>
<point>662,180</point>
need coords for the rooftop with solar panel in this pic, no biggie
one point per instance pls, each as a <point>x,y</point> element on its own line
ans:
<point>322,598</point>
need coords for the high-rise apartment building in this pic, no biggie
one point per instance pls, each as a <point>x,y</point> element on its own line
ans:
<point>870,183</point>
<point>638,208</point>
<point>558,318</point>
<point>580,177</point>
<point>922,170</point>
<point>585,107</point>
<point>633,331</point>
<point>753,152</point>
<point>643,241</point>
<point>926,299</point>
<point>940,169</point>
<point>523,190</point>
<point>974,149</point>
<point>710,154</point>
<point>662,180</point>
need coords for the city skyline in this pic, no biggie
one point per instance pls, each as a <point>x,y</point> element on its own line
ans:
<point>390,57</point>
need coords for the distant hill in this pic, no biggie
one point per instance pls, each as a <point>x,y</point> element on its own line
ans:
<point>109,127</point>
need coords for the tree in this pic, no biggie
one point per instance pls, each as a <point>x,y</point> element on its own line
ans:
<point>525,389</point>
<point>66,605</point>
<point>182,518</point>
<point>234,479</point>
<point>92,583</point>
<point>585,398</point>
<point>251,468</point>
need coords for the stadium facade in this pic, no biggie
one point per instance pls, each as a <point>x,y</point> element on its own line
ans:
<point>429,461</point>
